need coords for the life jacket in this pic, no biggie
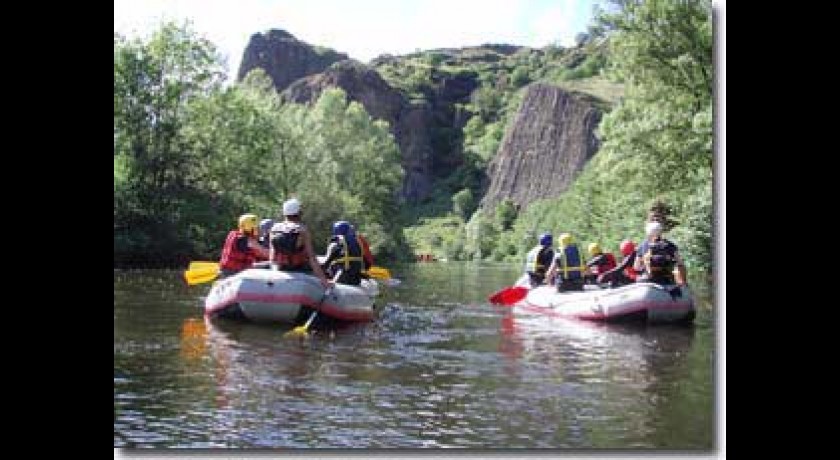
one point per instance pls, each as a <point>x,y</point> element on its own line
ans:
<point>289,252</point>
<point>350,259</point>
<point>570,263</point>
<point>629,272</point>
<point>535,260</point>
<point>605,267</point>
<point>366,252</point>
<point>660,259</point>
<point>233,258</point>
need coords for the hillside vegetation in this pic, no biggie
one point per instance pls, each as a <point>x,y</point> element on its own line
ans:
<point>190,154</point>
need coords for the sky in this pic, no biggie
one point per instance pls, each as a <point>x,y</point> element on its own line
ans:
<point>364,29</point>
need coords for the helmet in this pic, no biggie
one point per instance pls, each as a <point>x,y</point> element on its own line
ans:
<point>247,222</point>
<point>546,239</point>
<point>341,227</point>
<point>627,247</point>
<point>265,225</point>
<point>565,239</point>
<point>291,207</point>
<point>594,248</point>
<point>653,228</point>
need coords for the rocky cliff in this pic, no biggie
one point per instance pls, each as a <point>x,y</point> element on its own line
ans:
<point>551,139</point>
<point>285,58</point>
<point>412,123</point>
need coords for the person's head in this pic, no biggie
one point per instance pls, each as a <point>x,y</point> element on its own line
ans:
<point>546,239</point>
<point>265,226</point>
<point>653,229</point>
<point>566,239</point>
<point>341,227</point>
<point>291,208</point>
<point>627,247</point>
<point>594,249</point>
<point>247,223</point>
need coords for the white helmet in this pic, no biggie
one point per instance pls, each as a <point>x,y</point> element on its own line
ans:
<point>291,207</point>
<point>652,228</point>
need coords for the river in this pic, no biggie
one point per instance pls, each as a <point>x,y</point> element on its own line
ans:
<point>439,367</point>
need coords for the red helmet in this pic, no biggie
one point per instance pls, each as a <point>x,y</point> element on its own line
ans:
<point>627,247</point>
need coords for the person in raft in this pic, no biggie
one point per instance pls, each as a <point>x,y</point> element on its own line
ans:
<point>538,260</point>
<point>624,273</point>
<point>600,262</point>
<point>567,266</point>
<point>345,255</point>
<point>291,244</point>
<point>241,248</point>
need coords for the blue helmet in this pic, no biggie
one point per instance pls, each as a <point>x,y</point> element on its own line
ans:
<point>265,225</point>
<point>341,227</point>
<point>546,239</point>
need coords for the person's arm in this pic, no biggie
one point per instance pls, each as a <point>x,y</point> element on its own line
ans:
<point>313,261</point>
<point>549,275</point>
<point>626,262</point>
<point>681,277</point>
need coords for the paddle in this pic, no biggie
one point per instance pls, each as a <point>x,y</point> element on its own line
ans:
<point>509,295</point>
<point>302,330</point>
<point>202,264</point>
<point>201,274</point>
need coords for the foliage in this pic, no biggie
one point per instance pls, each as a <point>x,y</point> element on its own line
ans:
<point>190,155</point>
<point>656,143</point>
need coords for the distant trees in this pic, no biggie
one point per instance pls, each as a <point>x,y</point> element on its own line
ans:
<point>190,155</point>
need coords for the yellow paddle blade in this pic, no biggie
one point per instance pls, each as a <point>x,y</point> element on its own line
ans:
<point>301,330</point>
<point>296,332</point>
<point>199,264</point>
<point>379,273</point>
<point>201,275</point>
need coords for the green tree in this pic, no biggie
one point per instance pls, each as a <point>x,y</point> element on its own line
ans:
<point>154,81</point>
<point>463,203</point>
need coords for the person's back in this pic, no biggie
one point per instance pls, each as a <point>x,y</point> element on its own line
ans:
<point>287,243</point>
<point>345,255</point>
<point>538,260</point>
<point>658,258</point>
<point>241,248</point>
<point>568,266</point>
<point>599,263</point>
<point>291,244</point>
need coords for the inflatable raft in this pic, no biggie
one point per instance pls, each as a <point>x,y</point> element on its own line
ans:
<point>263,295</point>
<point>648,302</point>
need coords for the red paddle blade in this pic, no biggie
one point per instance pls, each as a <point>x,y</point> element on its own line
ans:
<point>509,296</point>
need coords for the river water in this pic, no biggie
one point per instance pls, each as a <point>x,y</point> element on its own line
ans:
<point>440,367</point>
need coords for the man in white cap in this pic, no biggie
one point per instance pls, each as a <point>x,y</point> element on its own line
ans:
<point>658,258</point>
<point>291,243</point>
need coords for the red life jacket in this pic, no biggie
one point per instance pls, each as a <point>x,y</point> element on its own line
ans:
<point>629,272</point>
<point>606,266</point>
<point>232,257</point>
<point>365,251</point>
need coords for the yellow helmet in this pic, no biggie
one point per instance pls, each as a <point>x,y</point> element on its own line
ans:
<point>594,248</point>
<point>247,222</point>
<point>565,239</point>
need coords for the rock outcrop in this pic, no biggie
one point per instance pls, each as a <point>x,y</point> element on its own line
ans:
<point>360,82</point>
<point>551,139</point>
<point>285,58</point>
<point>412,123</point>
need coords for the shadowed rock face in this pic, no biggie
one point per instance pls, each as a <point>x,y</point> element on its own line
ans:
<point>411,123</point>
<point>284,58</point>
<point>552,138</point>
